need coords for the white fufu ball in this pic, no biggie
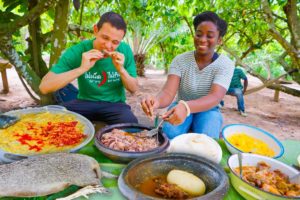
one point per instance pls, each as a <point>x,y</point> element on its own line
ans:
<point>196,144</point>
<point>188,182</point>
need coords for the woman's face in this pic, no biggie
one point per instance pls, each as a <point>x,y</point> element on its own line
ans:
<point>206,38</point>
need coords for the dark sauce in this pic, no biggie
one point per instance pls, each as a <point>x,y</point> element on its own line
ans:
<point>156,187</point>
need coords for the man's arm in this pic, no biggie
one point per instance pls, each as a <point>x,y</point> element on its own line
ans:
<point>245,85</point>
<point>128,81</point>
<point>52,82</point>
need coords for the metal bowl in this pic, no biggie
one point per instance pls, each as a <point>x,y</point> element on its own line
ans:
<point>126,156</point>
<point>89,130</point>
<point>139,170</point>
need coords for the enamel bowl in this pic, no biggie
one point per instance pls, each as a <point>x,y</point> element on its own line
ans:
<point>249,191</point>
<point>251,131</point>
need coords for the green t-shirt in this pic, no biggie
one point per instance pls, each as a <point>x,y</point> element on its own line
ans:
<point>102,82</point>
<point>238,74</point>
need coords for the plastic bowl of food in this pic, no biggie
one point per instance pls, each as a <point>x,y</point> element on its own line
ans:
<point>250,139</point>
<point>259,176</point>
<point>136,180</point>
<point>138,146</point>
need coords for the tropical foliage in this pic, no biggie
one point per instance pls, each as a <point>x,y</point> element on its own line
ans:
<point>263,35</point>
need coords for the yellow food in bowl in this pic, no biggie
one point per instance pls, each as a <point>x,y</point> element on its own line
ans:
<point>246,143</point>
<point>45,132</point>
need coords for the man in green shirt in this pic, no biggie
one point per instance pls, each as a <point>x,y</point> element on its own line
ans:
<point>104,67</point>
<point>236,89</point>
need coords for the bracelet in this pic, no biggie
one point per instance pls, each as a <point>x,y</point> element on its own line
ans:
<point>188,110</point>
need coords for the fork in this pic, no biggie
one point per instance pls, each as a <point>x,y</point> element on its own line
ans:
<point>154,131</point>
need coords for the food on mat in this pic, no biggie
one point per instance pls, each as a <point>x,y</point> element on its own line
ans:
<point>187,182</point>
<point>197,144</point>
<point>46,174</point>
<point>274,181</point>
<point>45,132</point>
<point>177,184</point>
<point>249,144</point>
<point>123,141</point>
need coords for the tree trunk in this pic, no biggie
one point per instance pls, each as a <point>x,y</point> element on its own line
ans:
<point>276,95</point>
<point>35,44</point>
<point>6,47</point>
<point>139,61</point>
<point>59,37</point>
<point>163,51</point>
<point>285,89</point>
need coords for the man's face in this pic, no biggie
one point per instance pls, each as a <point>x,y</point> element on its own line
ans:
<point>206,38</point>
<point>107,37</point>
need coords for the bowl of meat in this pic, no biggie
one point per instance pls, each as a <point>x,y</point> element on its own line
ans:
<point>125,142</point>
<point>263,177</point>
<point>173,176</point>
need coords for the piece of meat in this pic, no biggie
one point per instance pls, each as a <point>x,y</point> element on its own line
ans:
<point>169,191</point>
<point>47,174</point>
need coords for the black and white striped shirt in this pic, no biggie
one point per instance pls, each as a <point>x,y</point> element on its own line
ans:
<point>195,83</point>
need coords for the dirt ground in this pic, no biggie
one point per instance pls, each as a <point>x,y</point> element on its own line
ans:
<point>279,118</point>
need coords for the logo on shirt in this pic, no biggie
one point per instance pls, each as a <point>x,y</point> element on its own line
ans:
<point>101,79</point>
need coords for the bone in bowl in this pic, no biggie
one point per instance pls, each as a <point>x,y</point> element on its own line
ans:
<point>137,174</point>
<point>127,156</point>
<point>254,139</point>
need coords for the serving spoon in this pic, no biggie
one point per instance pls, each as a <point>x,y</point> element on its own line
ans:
<point>240,157</point>
<point>7,120</point>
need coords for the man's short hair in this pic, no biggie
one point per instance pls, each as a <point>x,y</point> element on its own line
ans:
<point>114,19</point>
<point>212,17</point>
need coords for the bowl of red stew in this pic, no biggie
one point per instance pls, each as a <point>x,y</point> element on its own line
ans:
<point>123,142</point>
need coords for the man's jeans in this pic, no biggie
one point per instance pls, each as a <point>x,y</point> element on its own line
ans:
<point>238,92</point>
<point>207,122</point>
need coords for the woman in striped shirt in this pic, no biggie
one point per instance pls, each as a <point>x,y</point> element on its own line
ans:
<point>200,78</point>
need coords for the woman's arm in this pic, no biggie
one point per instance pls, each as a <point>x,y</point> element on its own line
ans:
<point>209,101</point>
<point>167,94</point>
<point>164,97</point>
<point>178,114</point>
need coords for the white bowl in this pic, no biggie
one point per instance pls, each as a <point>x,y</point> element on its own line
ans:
<point>249,191</point>
<point>255,132</point>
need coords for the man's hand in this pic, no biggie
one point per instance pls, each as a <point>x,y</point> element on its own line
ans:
<point>118,60</point>
<point>89,59</point>
<point>148,106</point>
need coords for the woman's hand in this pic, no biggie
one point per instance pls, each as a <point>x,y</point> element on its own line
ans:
<point>176,115</point>
<point>148,105</point>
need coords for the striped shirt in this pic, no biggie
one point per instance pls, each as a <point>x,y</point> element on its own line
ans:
<point>195,83</point>
<point>238,74</point>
